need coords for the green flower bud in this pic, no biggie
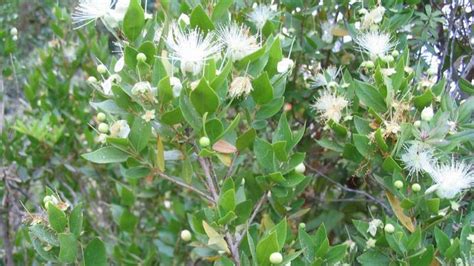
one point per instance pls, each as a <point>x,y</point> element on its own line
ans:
<point>101,117</point>
<point>103,128</point>
<point>398,184</point>
<point>102,69</point>
<point>416,187</point>
<point>186,235</point>
<point>395,53</point>
<point>204,141</point>
<point>300,168</point>
<point>276,258</point>
<point>389,228</point>
<point>141,57</point>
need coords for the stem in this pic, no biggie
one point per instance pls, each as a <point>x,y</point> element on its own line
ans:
<point>252,217</point>
<point>210,182</point>
<point>182,184</point>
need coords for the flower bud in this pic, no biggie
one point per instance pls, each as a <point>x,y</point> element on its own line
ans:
<point>416,187</point>
<point>368,64</point>
<point>141,57</point>
<point>15,38</point>
<point>186,235</point>
<point>398,184</point>
<point>276,258</point>
<point>91,80</point>
<point>300,168</point>
<point>389,228</point>
<point>103,128</point>
<point>302,225</point>
<point>47,200</point>
<point>101,117</point>
<point>14,31</point>
<point>204,141</point>
<point>395,53</point>
<point>102,69</point>
<point>427,113</point>
<point>388,59</point>
<point>417,123</point>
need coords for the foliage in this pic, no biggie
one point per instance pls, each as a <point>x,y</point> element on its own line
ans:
<point>206,132</point>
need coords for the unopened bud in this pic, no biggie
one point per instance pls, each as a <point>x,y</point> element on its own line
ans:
<point>300,168</point>
<point>389,228</point>
<point>102,69</point>
<point>101,117</point>
<point>103,128</point>
<point>398,184</point>
<point>416,187</point>
<point>186,235</point>
<point>141,57</point>
<point>204,141</point>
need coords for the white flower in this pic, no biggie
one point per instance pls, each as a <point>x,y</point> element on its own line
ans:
<point>240,86</point>
<point>107,84</point>
<point>176,85</point>
<point>330,106</point>
<point>285,65</point>
<point>370,243</point>
<point>89,11</point>
<point>149,115</point>
<point>120,129</point>
<point>375,16</point>
<point>260,15</point>
<point>427,113</point>
<point>191,48</point>
<point>326,28</point>
<point>238,41</point>
<point>119,64</point>
<point>184,19</point>
<point>375,43</point>
<point>418,157</point>
<point>141,88</point>
<point>451,179</point>
<point>471,238</point>
<point>373,225</point>
<point>388,71</point>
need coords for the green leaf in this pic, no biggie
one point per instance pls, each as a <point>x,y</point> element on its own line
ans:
<point>134,20</point>
<point>425,258</point>
<point>50,256</point>
<point>279,148</point>
<point>270,109</point>
<point>106,155</point>
<point>67,248</point>
<point>264,154</point>
<point>221,10</point>
<point>423,100</point>
<point>44,234</point>
<point>245,140</point>
<point>172,117</point>
<point>307,244</point>
<point>128,221</point>
<point>76,220</point>
<point>373,258</point>
<point>227,201</point>
<point>189,114</point>
<point>414,240</point>
<point>363,145</point>
<point>230,127</point>
<point>149,49</point>
<point>336,254</point>
<point>370,96</point>
<point>380,140</point>
<point>262,89</point>
<point>200,19</point>
<point>165,91</point>
<point>57,218</point>
<point>265,247</point>
<point>442,240</point>
<point>140,134</point>
<point>466,86</point>
<point>95,254</point>
<point>454,250</point>
<point>204,99</point>
<point>390,165</point>
<point>433,204</point>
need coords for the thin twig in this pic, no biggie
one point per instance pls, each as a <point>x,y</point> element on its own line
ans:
<point>344,188</point>
<point>182,184</point>
<point>210,182</point>
<point>256,210</point>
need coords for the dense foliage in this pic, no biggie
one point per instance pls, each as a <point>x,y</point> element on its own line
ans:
<point>227,132</point>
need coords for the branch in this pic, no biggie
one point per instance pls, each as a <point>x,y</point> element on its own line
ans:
<point>252,217</point>
<point>210,182</point>
<point>344,188</point>
<point>184,185</point>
